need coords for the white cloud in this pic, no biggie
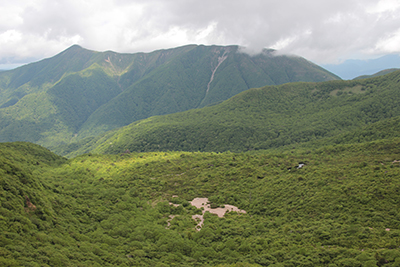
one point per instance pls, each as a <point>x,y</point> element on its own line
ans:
<point>322,31</point>
<point>389,43</point>
<point>10,37</point>
<point>384,6</point>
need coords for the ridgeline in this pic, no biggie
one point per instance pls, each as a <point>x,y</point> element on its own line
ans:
<point>81,93</point>
<point>293,114</point>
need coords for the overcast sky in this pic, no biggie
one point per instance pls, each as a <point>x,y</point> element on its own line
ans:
<point>323,31</point>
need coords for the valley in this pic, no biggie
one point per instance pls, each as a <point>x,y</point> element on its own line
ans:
<point>197,156</point>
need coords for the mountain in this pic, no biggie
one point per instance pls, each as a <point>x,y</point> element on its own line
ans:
<point>340,208</point>
<point>353,68</point>
<point>80,93</point>
<point>260,118</point>
<point>382,72</point>
<point>320,186</point>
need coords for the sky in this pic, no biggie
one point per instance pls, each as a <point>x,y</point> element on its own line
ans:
<point>322,31</point>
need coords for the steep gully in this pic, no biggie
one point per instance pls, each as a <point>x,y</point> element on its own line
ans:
<point>220,60</point>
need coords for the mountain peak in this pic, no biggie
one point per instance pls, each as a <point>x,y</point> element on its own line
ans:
<point>73,48</point>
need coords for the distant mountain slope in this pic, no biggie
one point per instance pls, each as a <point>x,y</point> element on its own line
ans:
<point>380,73</point>
<point>353,68</point>
<point>80,93</point>
<point>269,117</point>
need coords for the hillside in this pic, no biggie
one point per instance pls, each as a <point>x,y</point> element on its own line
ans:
<point>380,73</point>
<point>263,118</point>
<point>338,209</point>
<point>81,93</point>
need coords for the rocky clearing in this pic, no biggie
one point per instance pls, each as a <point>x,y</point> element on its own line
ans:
<point>202,203</point>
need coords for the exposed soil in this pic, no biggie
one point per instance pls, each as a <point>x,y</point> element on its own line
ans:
<point>202,203</point>
<point>172,204</point>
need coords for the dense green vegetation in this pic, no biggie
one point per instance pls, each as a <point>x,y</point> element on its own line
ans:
<point>263,118</point>
<point>380,73</point>
<point>339,209</point>
<point>316,166</point>
<point>81,93</point>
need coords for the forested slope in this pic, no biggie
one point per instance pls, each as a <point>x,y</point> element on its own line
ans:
<point>380,73</point>
<point>81,93</point>
<point>338,209</point>
<point>263,118</point>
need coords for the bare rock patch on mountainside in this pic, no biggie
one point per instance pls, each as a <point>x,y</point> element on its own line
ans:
<point>204,204</point>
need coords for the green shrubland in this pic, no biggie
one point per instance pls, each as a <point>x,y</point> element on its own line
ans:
<point>339,209</point>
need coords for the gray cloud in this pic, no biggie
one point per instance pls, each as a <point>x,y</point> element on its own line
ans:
<point>322,31</point>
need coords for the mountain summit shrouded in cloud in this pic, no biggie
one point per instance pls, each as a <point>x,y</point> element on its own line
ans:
<point>321,31</point>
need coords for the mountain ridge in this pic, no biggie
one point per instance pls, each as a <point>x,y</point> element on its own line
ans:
<point>39,101</point>
<point>259,118</point>
<point>379,73</point>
